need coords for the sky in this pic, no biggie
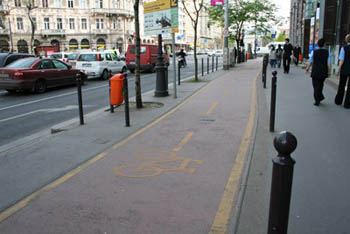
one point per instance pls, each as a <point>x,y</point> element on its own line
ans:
<point>284,7</point>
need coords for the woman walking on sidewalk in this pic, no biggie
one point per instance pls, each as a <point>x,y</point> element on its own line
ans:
<point>344,69</point>
<point>320,60</point>
<point>272,57</point>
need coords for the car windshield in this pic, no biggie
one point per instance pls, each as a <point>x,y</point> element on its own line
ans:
<point>56,56</point>
<point>88,57</point>
<point>2,59</point>
<point>22,63</point>
<point>73,56</point>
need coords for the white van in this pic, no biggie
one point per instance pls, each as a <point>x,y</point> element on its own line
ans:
<point>99,64</point>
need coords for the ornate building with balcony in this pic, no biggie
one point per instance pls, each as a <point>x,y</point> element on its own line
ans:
<point>68,25</point>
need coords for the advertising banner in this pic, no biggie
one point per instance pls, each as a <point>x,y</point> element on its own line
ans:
<point>161,17</point>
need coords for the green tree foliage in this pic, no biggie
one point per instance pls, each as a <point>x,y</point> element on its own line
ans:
<point>260,13</point>
<point>281,37</point>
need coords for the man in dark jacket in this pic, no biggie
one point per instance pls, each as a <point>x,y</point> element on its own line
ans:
<point>296,53</point>
<point>320,60</point>
<point>287,53</point>
<point>344,70</point>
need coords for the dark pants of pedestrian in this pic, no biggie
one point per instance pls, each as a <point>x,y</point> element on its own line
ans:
<point>317,83</point>
<point>296,59</point>
<point>286,64</point>
<point>279,61</point>
<point>341,91</point>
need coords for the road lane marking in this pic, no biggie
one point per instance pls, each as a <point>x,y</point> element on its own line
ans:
<point>156,162</point>
<point>224,211</point>
<point>48,98</point>
<point>211,109</point>
<point>183,142</point>
<point>48,110</point>
<point>24,202</point>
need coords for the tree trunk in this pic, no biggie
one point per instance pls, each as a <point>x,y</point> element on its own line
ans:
<point>137,70</point>
<point>195,52</point>
<point>33,32</point>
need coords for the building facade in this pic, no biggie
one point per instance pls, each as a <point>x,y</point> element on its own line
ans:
<point>67,24</point>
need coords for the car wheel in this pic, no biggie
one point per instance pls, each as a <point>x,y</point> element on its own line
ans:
<point>105,75</point>
<point>40,86</point>
<point>124,70</point>
<point>11,90</point>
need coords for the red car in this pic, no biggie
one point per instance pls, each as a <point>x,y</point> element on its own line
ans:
<point>37,74</point>
<point>148,57</point>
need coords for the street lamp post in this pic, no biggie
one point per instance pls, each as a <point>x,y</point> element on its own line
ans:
<point>226,51</point>
<point>161,83</point>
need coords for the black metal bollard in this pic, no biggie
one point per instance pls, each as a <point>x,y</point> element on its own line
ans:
<point>80,99</point>
<point>273,101</point>
<point>281,186</point>
<point>208,68</point>
<point>217,61</point>
<point>178,74</point>
<point>212,63</point>
<point>265,63</point>
<point>126,100</point>
<point>202,66</point>
<point>111,107</point>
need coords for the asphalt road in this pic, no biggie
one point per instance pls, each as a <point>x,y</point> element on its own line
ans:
<point>24,114</point>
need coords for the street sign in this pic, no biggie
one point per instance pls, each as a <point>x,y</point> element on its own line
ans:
<point>161,17</point>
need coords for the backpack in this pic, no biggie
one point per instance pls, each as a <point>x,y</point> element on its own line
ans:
<point>278,53</point>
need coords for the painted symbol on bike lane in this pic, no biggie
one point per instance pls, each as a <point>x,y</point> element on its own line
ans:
<point>157,162</point>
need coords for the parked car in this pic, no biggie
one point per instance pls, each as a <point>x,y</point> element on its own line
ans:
<point>100,64</point>
<point>63,56</point>
<point>148,57</point>
<point>72,58</point>
<point>37,74</point>
<point>7,58</point>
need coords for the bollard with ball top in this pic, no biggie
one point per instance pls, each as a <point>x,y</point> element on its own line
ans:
<point>281,186</point>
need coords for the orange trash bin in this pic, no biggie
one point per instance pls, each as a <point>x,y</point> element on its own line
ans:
<point>116,95</point>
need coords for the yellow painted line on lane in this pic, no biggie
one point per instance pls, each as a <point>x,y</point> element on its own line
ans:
<point>24,202</point>
<point>21,204</point>
<point>212,107</point>
<point>223,214</point>
<point>183,142</point>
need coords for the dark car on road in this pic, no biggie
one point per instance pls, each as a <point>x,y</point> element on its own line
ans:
<point>7,58</point>
<point>37,74</point>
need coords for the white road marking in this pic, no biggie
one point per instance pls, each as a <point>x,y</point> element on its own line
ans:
<point>48,98</point>
<point>50,110</point>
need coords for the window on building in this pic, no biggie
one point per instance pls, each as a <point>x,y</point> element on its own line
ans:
<point>114,23</point>
<point>83,24</point>
<point>118,3</point>
<point>59,23</point>
<point>19,23</point>
<point>71,23</point>
<point>70,3</point>
<point>58,3</point>
<point>99,24</point>
<point>83,4</point>
<point>98,3</point>
<point>45,3</point>
<point>47,23</point>
<point>17,3</point>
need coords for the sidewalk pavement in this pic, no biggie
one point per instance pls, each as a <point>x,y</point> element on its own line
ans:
<point>178,174</point>
<point>320,194</point>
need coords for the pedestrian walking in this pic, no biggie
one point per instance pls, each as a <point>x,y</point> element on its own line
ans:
<point>279,52</point>
<point>344,71</point>
<point>296,54</point>
<point>287,53</point>
<point>320,60</point>
<point>272,57</point>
